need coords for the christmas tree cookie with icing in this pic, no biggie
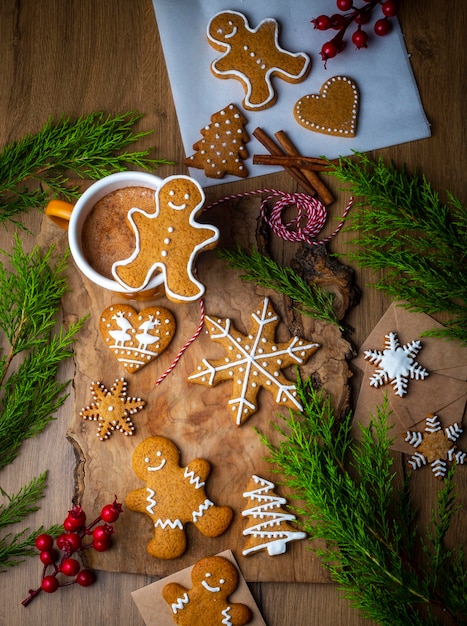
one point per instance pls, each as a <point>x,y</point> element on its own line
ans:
<point>222,149</point>
<point>253,361</point>
<point>268,526</point>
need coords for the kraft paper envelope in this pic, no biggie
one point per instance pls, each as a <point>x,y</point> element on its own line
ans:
<point>156,612</point>
<point>443,392</point>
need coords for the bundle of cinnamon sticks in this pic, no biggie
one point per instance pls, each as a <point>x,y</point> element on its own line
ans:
<point>305,170</point>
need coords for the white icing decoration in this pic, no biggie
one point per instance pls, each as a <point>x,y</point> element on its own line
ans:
<point>203,507</point>
<point>396,363</point>
<point>194,480</point>
<point>150,500</point>
<point>170,523</point>
<point>245,79</point>
<point>272,528</point>
<point>180,604</point>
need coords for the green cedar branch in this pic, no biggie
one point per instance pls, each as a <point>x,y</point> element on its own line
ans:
<point>91,147</point>
<point>15,547</point>
<point>30,294</point>
<point>351,502</point>
<point>310,300</point>
<point>417,241</point>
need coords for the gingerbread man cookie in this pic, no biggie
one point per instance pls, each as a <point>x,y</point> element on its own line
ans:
<point>207,603</point>
<point>253,57</point>
<point>169,240</point>
<point>173,497</point>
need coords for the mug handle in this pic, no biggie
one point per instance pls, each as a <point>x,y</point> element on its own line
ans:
<point>59,212</point>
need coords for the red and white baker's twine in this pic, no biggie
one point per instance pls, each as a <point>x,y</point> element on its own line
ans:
<point>310,211</point>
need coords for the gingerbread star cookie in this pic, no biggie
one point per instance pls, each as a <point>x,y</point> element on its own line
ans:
<point>168,241</point>
<point>253,361</point>
<point>135,338</point>
<point>334,111</point>
<point>112,409</point>
<point>253,56</point>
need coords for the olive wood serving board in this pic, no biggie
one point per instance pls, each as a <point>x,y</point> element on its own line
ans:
<point>196,418</point>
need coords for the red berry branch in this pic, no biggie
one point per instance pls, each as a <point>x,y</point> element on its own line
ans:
<point>56,556</point>
<point>354,15</point>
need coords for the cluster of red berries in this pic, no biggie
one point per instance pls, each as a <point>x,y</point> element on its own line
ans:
<point>56,555</point>
<point>356,15</point>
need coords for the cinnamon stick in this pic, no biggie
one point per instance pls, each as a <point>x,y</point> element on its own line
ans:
<point>275,150</point>
<point>304,163</point>
<point>311,176</point>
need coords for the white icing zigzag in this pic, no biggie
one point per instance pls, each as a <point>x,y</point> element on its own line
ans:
<point>180,604</point>
<point>272,530</point>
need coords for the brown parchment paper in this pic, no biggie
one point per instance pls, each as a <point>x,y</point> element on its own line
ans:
<point>443,392</point>
<point>156,612</point>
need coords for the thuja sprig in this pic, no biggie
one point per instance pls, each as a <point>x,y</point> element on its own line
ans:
<point>15,547</point>
<point>420,243</point>
<point>351,502</point>
<point>310,300</point>
<point>91,147</point>
<point>31,289</point>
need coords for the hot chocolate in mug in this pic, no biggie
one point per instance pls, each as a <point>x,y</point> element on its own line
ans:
<point>98,234</point>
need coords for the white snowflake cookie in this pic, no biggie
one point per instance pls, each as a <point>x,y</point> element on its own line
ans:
<point>396,364</point>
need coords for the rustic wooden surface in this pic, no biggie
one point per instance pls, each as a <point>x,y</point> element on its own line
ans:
<point>92,56</point>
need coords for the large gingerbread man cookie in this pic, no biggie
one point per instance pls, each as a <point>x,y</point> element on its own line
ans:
<point>253,57</point>
<point>173,497</point>
<point>169,240</point>
<point>207,603</point>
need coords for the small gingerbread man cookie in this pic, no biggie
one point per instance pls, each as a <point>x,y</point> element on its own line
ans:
<point>169,240</point>
<point>253,57</point>
<point>214,579</point>
<point>173,497</point>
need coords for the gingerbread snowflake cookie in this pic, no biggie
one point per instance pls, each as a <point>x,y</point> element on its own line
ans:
<point>268,526</point>
<point>222,149</point>
<point>173,497</point>
<point>396,364</point>
<point>136,338</point>
<point>253,56</point>
<point>207,603</point>
<point>253,361</point>
<point>436,446</point>
<point>112,409</point>
<point>334,111</point>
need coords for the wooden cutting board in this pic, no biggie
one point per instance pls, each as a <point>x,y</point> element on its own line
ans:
<point>196,418</point>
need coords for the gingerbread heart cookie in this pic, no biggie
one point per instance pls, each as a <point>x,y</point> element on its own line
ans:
<point>136,338</point>
<point>333,111</point>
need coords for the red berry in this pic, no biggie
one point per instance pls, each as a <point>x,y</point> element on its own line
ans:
<point>322,22</point>
<point>85,578</point>
<point>102,545</point>
<point>69,542</point>
<point>382,27</point>
<point>102,533</point>
<point>70,567</point>
<point>49,584</point>
<point>75,518</point>
<point>389,8</point>
<point>328,51</point>
<point>44,542</point>
<point>110,512</point>
<point>344,5</point>
<point>360,39</point>
<point>48,557</point>
<point>337,21</point>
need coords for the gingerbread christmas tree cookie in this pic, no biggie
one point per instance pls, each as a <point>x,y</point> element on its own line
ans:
<point>253,361</point>
<point>268,526</point>
<point>222,149</point>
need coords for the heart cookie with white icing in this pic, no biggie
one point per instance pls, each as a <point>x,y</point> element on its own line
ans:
<point>333,111</point>
<point>136,338</point>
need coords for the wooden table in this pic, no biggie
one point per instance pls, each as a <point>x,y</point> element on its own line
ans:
<point>77,57</point>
